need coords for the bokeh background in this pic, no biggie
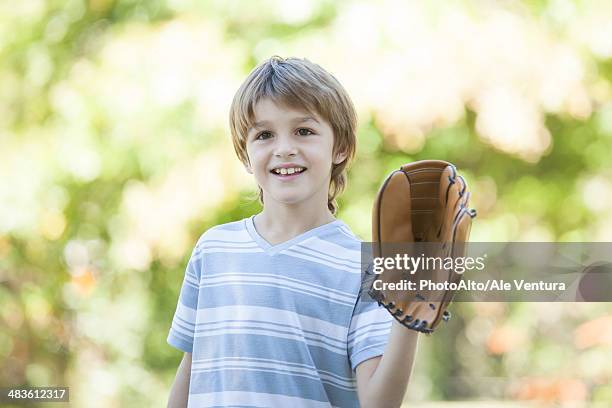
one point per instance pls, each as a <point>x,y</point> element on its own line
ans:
<point>115,156</point>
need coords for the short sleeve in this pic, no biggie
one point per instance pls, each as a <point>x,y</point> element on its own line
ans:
<point>184,320</point>
<point>369,331</point>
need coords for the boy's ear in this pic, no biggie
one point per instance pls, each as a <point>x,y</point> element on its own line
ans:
<point>339,157</point>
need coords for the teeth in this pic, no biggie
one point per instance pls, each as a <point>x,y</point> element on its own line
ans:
<point>290,170</point>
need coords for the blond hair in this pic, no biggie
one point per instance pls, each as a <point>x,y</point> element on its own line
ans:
<point>298,84</point>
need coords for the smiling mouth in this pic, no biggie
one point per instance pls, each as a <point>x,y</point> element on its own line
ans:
<point>287,171</point>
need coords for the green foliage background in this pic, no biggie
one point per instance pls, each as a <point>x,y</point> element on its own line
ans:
<point>96,129</point>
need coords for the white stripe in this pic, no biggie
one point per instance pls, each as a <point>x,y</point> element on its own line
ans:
<point>276,281</point>
<point>346,231</point>
<point>280,286</point>
<point>215,243</point>
<point>282,362</point>
<point>311,341</point>
<point>191,280</point>
<point>320,261</point>
<point>329,247</point>
<point>185,313</point>
<point>271,366</point>
<point>327,257</point>
<point>380,344</point>
<point>260,399</point>
<point>272,315</point>
<point>260,370</point>
<point>348,295</point>
<point>238,363</point>
<point>219,234</point>
<point>267,326</point>
<point>207,250</point>
<point>371,333</point>
<point>184,332</point>
<point>376,315</point>
<point>265,360</point>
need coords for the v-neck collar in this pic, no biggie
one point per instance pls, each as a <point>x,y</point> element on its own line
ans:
<point>274,249</point>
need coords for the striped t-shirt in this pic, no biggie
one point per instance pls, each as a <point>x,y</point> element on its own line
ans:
<point>276,325</point>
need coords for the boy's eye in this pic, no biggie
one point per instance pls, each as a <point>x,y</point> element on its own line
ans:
<point>263,136</point>
<point>305,132</point>
<point>266,135</point>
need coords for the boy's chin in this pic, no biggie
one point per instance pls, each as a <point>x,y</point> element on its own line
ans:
<point>290,199</point>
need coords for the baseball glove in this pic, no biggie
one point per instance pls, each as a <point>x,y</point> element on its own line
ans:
<point>424,204</point>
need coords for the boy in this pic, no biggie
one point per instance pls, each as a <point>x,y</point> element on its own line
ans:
<point>269,313</point>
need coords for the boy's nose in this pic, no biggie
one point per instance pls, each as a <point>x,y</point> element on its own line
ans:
<point>285,147</point>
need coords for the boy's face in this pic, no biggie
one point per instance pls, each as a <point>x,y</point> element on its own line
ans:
<point>290,154</point>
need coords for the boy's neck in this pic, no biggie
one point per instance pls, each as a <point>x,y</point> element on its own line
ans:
<point>279,223</point>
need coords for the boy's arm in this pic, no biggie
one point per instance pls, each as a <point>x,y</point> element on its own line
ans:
<point>382,381</point>
<point>179,393</point>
